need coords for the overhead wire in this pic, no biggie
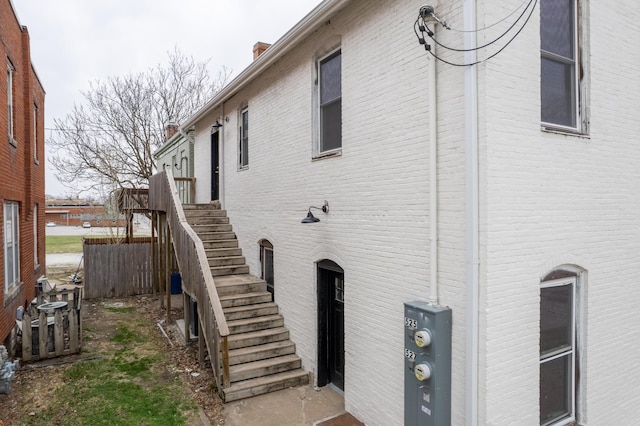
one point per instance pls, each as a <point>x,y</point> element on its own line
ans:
<point>492,25</point>
<point>422,39</point>
<point>430,34</point>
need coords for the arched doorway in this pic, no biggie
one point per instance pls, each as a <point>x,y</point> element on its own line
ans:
<point>330,290</point>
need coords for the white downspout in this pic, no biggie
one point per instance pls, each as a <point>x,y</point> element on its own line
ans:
<point>433,174</point>
<point>221,160</point>
<point>471,213</point>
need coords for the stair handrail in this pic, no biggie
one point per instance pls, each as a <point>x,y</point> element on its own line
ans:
<point>196,273</point>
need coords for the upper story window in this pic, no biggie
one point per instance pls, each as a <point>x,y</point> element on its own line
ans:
<point>330,102</point>
<point>243,148</point>
<point>10,71</point>
<point>562,103</point>
<point>35,133</point>
<point>11,246</point>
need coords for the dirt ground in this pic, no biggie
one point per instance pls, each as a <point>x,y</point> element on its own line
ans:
<point>34,385</point>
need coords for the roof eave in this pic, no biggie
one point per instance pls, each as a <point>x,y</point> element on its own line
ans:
<point>292,38</point>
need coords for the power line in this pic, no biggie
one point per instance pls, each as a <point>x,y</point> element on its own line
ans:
<point>425,30</point>
<point>492,25</point>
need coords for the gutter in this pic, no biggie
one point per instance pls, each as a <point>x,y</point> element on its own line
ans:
<point>472,236</point>
<point>286,43</point>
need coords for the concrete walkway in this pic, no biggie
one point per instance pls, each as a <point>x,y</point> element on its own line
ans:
<point>299,406</point>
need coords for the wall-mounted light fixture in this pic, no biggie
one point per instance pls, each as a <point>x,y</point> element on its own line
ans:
<point>311,218</point>
<point>216,125</point>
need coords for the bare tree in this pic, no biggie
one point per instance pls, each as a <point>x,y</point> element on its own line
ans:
<point>108,141</point>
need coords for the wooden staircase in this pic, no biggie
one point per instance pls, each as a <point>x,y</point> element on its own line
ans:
<point>262,359</point>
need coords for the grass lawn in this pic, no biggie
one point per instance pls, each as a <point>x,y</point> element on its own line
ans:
<point>132,381</point>
<point>64,243</point>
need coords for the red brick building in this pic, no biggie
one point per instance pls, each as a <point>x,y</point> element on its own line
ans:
<point>69,214</point>
<point>21,171</point>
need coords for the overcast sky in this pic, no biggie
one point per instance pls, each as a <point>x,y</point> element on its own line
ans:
<point>74,42</point>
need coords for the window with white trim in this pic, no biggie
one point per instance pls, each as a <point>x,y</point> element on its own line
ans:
<point>243,147</point>
<point>561,76</point>
<point>10,71</point>
<point>330,102</point>
<point>558,324</point>
<point>11,246</point>
<point>35,133</point>
<point>35,236</point>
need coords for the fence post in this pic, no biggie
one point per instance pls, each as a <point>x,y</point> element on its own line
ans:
<point>27,348</point>
<point>168,269</point>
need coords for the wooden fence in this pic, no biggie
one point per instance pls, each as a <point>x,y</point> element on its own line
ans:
<point>53,326</point>
<point>117,269</point>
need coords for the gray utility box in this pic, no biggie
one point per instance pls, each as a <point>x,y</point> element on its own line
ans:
<point>427,361</point>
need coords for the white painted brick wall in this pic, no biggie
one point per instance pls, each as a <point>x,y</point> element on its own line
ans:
<point>553,199</point>
<point>546,200</point>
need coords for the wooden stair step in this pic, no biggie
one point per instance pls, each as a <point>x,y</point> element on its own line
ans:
<point>256,353</point>
<point>262,385</point>
<point>223,252</point>
<point>255,338</point>
<point>264,367</point>
<point>226,261</point>
<point>250,311</point>
<point>221,227</point>
<point>217,244</point>
<point>202,206</point>
<point>214,236</point>
<point>226,287</point>
<point>206,220</point>
<point>229,270</point>
<point>247,325</point>
<point>231,300</point>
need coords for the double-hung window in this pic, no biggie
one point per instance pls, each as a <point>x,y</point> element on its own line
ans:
<point>560,65</point>
<point>330,102</point>
<point>243,148</point>
<point>35,235</point>
<point>11,246</point>
<point>35,133</point>
<point>558,351</point>
<point>10,71</point>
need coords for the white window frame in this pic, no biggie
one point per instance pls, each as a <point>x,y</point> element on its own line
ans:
<point>243,138</point>
<point>578,90</point>
<point>35,134</point>
<point>10,112</point>
<point>35,237</point>
<point>318,146</point>
<point>571,352</point>
<point>11,242</point>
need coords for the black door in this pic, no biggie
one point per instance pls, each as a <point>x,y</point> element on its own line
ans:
<point>330,324</point>
<point>215,166</point>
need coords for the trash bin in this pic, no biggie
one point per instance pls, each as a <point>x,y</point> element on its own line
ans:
<point>176,283</point>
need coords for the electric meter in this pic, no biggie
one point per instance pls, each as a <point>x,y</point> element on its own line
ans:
<point>422,371</point>
<point>422,338</point>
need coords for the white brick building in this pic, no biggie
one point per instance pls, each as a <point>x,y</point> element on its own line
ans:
<point>557,197</point>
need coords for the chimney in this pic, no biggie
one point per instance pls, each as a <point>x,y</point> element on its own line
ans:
<point>170,130</point>
<point>259,48</point>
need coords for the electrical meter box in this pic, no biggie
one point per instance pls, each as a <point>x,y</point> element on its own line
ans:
<point>427,362</point>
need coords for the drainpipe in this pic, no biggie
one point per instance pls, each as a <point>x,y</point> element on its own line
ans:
<point>221,161</point>
<point>433,174</point>
<point>471,213</point>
